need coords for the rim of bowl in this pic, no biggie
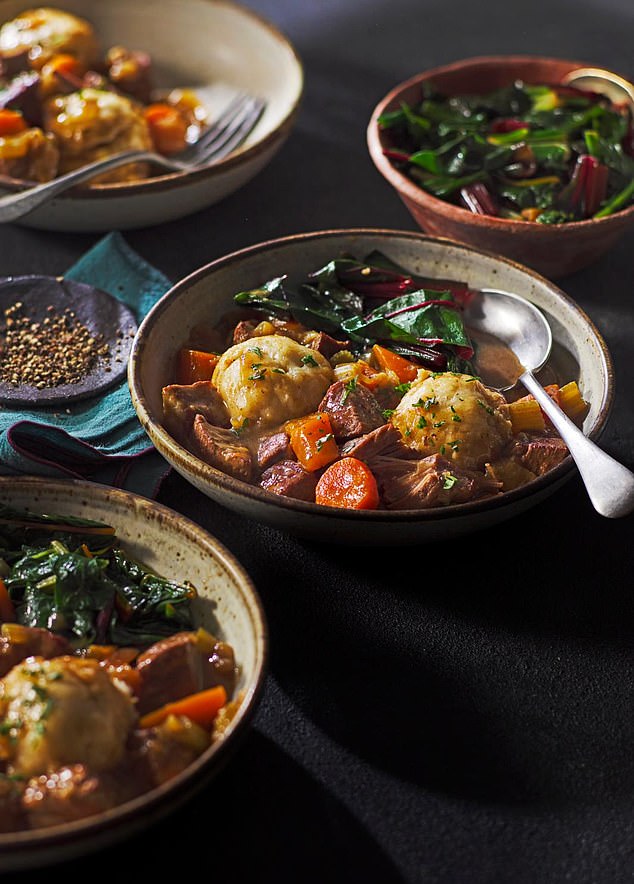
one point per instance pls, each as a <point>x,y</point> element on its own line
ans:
<point>418,195</point>
<point>192,465</point>
<point>115,817</point>
<point>169,180</point>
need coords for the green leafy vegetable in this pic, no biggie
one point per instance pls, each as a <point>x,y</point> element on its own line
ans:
<point>502,141</point>
<point>73,577</point>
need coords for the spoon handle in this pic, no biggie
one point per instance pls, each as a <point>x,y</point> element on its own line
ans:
<point>609,484</point>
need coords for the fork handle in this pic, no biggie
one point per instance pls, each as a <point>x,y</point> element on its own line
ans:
<point>16,205</point>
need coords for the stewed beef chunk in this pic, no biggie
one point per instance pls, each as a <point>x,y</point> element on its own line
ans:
<point>353,411</point>
<point>290,479</point>
<point>541,454</point>
<point>182,664</point>
<point>327,345</point>
<point>273,448</point>
<point>220,448</point>
<point>385,441</point>
<point>430,482</point>
<point>18,642</point>
<point>182,402</point>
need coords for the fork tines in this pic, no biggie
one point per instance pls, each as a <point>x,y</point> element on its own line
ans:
<point>227,132</point>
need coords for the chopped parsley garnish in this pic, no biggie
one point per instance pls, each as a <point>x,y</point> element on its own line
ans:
<point>403,388</point>
<point>309,360</point>
<point>257,372</point>
<point>449,480</point>
<point>349,387</point>
<point>256,350</point>
<point>322,441</point>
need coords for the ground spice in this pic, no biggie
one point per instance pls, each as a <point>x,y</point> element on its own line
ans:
<point>55,351</point>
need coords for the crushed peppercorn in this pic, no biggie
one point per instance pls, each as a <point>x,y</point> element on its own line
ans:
<point>57,350</point>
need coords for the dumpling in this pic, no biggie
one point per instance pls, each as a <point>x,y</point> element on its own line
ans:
<point>270,379</point>
<point>31,154</point>
<point>456,416</point>
<point>44,32</point>
<point>95,123</point>
<point>63,710</point>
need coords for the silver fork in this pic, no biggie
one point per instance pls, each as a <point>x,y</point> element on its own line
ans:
<point>223,136</point>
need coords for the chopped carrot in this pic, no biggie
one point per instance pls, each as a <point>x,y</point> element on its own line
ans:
<point>531,214</point>
<point>7,609</point>
<point>348,483</point>
<point>312,440</point>
<point>64,64</point>
<point>201,708</point>
<point>194,365</point>
<point>11,122</point>
<point>168,128</point>
<point>388,360</point>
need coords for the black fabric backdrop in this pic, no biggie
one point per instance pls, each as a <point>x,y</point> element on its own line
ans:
<point>455,713</point>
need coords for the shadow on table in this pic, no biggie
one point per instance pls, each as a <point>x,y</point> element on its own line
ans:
<point>472,668</point>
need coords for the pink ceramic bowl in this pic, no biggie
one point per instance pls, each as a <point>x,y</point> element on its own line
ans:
<point>553,250</point>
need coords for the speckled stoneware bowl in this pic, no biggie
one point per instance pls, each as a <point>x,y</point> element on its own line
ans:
<point>216,47</point>
<point>228,605</point>
<point>207,294</point>
<point>555,250</point>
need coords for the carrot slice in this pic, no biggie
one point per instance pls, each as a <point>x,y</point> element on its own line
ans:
<point>64,64</point>
<point>201,708</point>
<point>7,609</point>
<point>348,483</point>
<point>194,365</point>
<point>11,122</point>
<point>168,128</point>
<point>404,369</point>
<point>312,441</point>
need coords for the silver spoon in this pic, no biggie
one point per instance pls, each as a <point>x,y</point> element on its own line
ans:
<point>525,330</point>
<point>617,89</point>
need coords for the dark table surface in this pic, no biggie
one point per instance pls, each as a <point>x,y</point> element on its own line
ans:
<point>455,713</point>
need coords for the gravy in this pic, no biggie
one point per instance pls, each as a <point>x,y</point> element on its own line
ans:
<point>494,362</point>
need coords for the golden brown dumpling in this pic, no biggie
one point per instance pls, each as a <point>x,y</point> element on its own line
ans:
<point>267,380</point>
<point>31,154</point>
<point>454,415</point>
<point>44,31</point>
<point>60,711</point>
<point>95,123</point>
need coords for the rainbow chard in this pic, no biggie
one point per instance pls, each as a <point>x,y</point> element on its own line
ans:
<point>424,318</point>
<point>478,199</point>
<point>587,189</point>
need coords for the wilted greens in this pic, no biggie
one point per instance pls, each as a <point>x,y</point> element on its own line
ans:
<point>375,301</point>
<point>546,153</point>
<point>73,577</point>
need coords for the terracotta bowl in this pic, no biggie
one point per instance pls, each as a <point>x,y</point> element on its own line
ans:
<point>206,296</point>
<point>227,605</point>
<point>216,48</point>
<point>553,250</point>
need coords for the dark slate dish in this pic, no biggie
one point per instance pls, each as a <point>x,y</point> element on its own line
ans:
<point>71,320</point>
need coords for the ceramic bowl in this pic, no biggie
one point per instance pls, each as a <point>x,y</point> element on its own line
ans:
<point>553,250</point>
<point>216,47</point>
<point>206,295</point>
<point>228,604</point>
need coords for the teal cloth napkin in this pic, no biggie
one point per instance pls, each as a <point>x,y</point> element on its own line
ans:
<point>100,438</point>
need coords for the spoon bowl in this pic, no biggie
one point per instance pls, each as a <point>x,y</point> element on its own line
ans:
<point>616,88</point>
<point>518,323</point>
<point>524,329</point>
